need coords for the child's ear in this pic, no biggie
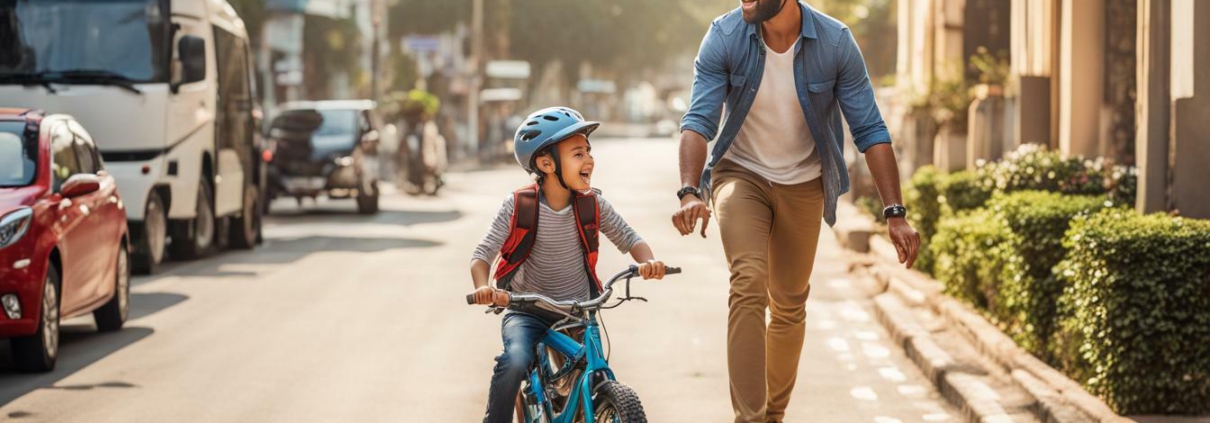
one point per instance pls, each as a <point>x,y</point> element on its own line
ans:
<point>545,164</point>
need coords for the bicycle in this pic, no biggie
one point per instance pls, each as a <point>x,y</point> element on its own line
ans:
<point>596,395</point>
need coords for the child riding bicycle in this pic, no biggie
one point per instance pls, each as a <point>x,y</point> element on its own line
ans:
<point>546,236</point>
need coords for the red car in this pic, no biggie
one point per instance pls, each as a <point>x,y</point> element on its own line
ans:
<point>63,240</point>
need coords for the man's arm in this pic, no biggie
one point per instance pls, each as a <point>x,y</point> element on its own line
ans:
<point>856,97</point>
<point>700,125</point>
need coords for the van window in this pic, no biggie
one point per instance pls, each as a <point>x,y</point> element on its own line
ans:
<point>234,127</point>
<point>47,38</point>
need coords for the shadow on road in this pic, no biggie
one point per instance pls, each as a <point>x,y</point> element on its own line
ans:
<point>327,215</point>
<point>280,251</point>
<point>80,346</point>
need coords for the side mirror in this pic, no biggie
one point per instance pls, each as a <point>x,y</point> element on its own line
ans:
<point>80,184</point>
<point>191,51</point>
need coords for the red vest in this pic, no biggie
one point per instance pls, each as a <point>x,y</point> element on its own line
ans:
<point>524,230</point>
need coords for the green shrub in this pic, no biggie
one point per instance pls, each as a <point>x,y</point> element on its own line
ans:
<point>1027,293</point>
<point>968,248</point>
<point>922,198</point>
<point>965,190</point>
<point>1135,326</point>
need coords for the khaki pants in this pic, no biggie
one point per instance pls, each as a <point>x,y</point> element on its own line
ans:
<point>770,233</point>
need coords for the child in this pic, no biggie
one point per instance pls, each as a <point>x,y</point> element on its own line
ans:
<point>546,237</point>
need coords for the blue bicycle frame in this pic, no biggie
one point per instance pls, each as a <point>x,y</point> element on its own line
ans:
<point>580,398</point>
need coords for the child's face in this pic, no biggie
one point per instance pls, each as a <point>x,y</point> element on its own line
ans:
<point>575,155</point>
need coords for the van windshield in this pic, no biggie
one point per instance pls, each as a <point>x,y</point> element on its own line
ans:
<point>47,39</point>
<point>18,155</point>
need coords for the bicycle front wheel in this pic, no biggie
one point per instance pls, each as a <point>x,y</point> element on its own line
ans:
<point>614,402</point>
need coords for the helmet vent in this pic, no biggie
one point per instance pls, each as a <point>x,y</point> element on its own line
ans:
<point>550,118</point>
<point>530,135</point>
<point>532,123</point>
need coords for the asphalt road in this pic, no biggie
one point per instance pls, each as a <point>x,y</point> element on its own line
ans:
<point>342,317</point>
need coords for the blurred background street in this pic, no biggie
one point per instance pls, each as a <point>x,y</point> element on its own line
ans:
<point>339,317</point>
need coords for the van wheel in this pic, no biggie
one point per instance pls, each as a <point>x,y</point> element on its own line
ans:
<point>111,316</point>
<point>37,352</point>
<point>196,238</point>
<point>367,199</point>
<point>245,229</point>
<point>149,236</point>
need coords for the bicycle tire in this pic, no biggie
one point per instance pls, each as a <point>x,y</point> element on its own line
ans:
<point>620,400</point>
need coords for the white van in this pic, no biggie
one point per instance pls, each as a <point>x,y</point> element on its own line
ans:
<point>168,91</point>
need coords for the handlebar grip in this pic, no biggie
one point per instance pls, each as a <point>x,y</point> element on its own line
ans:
<point>470,299</point>
<point>672,270</point>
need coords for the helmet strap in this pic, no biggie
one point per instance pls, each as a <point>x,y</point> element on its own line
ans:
<point>558,168</point>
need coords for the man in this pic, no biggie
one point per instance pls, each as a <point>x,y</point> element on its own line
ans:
<point>785,73</point>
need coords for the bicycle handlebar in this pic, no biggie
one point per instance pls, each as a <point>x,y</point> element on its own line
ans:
<point>630,272</point>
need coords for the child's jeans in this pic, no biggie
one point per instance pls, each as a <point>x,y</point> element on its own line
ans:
<point>520,332</point>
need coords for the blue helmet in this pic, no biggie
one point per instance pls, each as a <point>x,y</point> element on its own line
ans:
<point>545,128</point>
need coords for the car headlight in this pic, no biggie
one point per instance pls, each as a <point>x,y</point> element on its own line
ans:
<point>14,225</point>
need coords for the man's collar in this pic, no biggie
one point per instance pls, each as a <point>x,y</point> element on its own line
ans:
<point>808,22</point>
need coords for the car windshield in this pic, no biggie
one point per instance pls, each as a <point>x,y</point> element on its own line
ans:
<point>18,156</point>
<point>339,129</point>
<point>125,38</point>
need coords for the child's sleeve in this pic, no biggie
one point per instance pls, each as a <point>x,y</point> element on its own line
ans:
<point>616,229</point>
<point>489,247</point>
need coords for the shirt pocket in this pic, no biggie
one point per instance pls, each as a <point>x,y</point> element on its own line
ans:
<point>822,93</point>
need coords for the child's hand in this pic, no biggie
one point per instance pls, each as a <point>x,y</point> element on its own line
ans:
<point>653,269</point>
<point>491,296</point>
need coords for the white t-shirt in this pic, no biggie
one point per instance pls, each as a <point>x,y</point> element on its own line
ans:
<point>775,141</point>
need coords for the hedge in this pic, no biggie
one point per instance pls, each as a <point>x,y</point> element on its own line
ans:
<point>967,248</point>
<point>922,196</point>
<point>1135,327</point>
<point>1024,301</point>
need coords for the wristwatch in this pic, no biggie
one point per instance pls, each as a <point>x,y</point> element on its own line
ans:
<point>688,190</point>
<point>894,210</point>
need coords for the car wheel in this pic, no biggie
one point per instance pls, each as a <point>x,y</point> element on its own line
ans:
<point>37,352</point>
<point>245,229</point>
<point>367,199</point>
<point>111,316</point>
<point>149,237</point>
<point>196,238</point>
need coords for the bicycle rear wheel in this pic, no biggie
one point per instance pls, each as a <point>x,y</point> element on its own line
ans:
<point>614,402</point>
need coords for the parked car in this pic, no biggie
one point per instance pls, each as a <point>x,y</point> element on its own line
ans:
<point>326,147</point>
<point>168,89</point>
<point>64,245</point>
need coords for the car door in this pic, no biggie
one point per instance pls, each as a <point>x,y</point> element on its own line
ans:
<point>102,220</point>
<point>70,218</point>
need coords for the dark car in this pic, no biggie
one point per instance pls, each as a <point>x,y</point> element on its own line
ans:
<point>326,147</point>
<point>64,246</point>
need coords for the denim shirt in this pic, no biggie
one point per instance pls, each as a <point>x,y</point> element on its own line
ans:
<point>829,72</point>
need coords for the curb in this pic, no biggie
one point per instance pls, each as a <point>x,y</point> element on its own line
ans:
<point>1055,397</point>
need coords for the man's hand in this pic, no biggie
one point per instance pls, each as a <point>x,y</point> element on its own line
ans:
<point>907,241</point>
<point>653,269</point>
<point>692,209</point>
<point>487,295</point>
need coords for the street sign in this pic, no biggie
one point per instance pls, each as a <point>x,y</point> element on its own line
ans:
<point>508,69</point>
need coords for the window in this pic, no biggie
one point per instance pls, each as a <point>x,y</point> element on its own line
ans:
<point>18,155</point>
<point>86,150</point>
<point>65,164</point>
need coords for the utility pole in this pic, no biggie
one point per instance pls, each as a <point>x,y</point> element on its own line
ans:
<point>376,19</point>
<point>476,65</point>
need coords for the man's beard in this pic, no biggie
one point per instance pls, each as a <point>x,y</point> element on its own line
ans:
<point>765,10</point>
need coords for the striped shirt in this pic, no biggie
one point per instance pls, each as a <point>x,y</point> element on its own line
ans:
<point>555,267</point>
